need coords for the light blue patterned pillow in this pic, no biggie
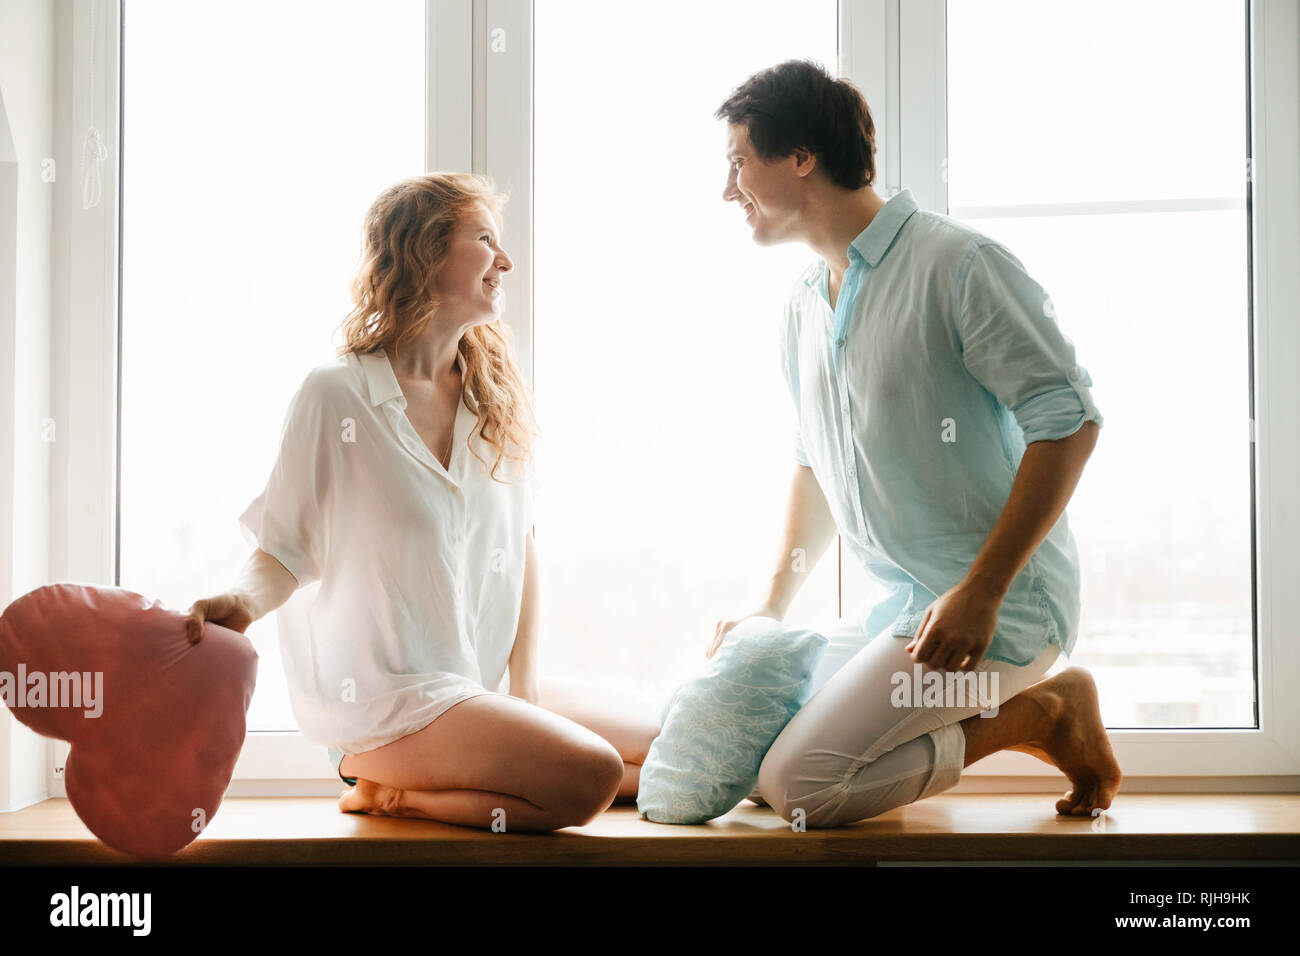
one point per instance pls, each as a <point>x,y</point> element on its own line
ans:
<point>718,726</point>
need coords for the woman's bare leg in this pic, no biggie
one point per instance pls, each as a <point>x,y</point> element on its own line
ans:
<point>489,760</point>
<point>628,722</point>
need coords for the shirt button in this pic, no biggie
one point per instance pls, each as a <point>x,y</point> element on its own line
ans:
<point>1073,375</point>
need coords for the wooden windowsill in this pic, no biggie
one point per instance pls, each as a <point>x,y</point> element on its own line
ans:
<point>947,827</point>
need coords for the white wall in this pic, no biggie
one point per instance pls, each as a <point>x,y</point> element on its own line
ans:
<point>27,71</point>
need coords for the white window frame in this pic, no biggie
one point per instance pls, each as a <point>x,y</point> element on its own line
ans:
<point>479,116</point>
<point>84,268</point>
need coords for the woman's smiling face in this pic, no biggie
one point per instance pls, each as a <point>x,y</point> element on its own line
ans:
<point>469,280</point>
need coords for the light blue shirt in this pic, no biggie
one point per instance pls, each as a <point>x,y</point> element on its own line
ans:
<point>914,400</point>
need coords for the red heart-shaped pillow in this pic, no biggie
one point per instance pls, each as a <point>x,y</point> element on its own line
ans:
<point>155,723</point>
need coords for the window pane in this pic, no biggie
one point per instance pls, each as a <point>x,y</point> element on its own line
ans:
<point>666,424</point>
<point>1156,303</point>
<point>252,151</point>
<point>1113,100</point>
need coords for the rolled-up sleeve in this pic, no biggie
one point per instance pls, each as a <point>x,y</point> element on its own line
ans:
<point>1011,343</point>
<point>285,519</point>
<point>789,348</point>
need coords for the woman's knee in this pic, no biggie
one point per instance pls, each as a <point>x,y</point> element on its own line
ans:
<point>588,780</point>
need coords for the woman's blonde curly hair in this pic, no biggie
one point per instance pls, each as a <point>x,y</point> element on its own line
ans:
<point>404,240</point>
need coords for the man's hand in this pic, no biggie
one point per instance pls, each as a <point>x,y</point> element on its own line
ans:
<point>957,628</point>
<point>722,628</point>
<point>959,625</point>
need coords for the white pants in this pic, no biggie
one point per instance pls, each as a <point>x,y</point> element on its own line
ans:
<point>851,752</point>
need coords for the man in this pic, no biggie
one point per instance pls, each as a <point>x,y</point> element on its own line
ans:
<point>942,426</point>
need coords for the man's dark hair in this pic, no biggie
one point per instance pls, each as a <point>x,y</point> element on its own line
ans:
<point>797,103</point>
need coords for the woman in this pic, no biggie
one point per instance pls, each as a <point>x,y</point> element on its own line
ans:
<point>404,486</point>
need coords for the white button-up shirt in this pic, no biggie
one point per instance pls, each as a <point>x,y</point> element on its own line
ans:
<point>416,571</point>
<point>915,398</point>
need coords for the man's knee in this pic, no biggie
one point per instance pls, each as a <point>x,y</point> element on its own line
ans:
<point>783,786</point>
<point>771,787</point>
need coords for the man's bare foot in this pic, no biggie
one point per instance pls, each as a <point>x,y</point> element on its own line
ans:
<point>1076,742</point>
<point>370,797</point>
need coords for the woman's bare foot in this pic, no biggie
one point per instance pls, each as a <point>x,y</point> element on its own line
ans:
<point>1076,742</point>
<point>370,797</point>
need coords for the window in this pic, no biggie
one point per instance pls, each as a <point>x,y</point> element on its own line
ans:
<point>665,450</point>
<point>251,153</point>
<point>1125,195</point>
<point>242,129</point>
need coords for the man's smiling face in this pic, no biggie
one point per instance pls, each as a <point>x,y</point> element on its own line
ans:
<point>767,192</point>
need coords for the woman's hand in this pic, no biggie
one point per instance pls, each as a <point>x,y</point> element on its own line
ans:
<point>722,627</point>
<point>229,609</point>
<point>957,628</point>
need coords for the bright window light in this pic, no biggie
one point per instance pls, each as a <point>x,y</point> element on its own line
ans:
<point>666,423</point>
<point>256,135</point>
<point>1106,146</point>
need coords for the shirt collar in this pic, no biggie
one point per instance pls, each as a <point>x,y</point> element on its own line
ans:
<point>873,242</point>
<point>380,379</point>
